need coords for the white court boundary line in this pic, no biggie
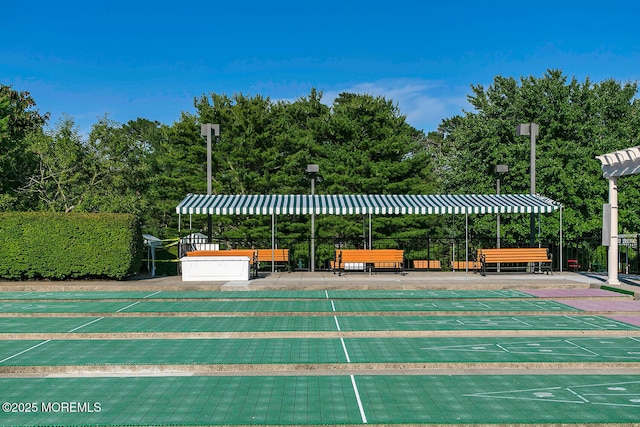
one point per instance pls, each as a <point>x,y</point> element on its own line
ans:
<point>363,416</point>
<point>150,295</point>
<point>130,305</point>
<point>360,407</point>
<point>72,330</point>
<point>24,351</point>
<point>86,324</point>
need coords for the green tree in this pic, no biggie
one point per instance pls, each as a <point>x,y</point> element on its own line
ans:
<point>63,178</point>
<point>371,149</point>
<point>122,158</point>
<point>362,145</point>
<point>18,119</point>
<point>179,168</point>
<point>577,121</point>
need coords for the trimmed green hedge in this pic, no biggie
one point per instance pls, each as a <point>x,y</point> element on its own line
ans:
<point>46,245</point>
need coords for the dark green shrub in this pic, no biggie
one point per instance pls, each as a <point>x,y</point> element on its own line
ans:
<point>47,245</point>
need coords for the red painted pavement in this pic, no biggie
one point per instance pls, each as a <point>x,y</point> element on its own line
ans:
<point>603,305</point>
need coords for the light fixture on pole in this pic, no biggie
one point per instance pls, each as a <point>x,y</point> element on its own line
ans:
<point>499,169</point>
<point>205,130</point>
<point>531,130</point>
<point>313,169</point>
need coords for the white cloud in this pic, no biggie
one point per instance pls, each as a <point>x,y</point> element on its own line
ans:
<point>425,103</point>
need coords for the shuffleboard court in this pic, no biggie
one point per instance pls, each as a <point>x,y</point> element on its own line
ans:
<point>427,294</point>
<point>329,400</point>
<point>266,324</point>
<point>246,373</point>
<point>308,294</point>
<point>630,306</point>
<point>451,305</point>
<point>630,319</point>
<point>481,323</point>
<point>133,295</point>
<point>63,307</point>
<point>288,306</point>
<point>256,351</point>
<point>573,293</point>
<point>66,295</point>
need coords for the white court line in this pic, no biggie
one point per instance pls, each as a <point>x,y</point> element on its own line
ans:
<point>521,321</point>
<point>130,305</point>
<point>86,324</point>
<point>582,348</point>
<point>337,324</point>
<point>585,322</point>
<point>326,294</point>
<point>579,396</point>
<point>24,351</point>
<point>502,348</point>
<point>344,348</point>
<point>333,306</point>
<point>150,295</point>
<point>355,390</point>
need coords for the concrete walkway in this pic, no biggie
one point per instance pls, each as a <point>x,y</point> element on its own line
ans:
<point>328,280</point>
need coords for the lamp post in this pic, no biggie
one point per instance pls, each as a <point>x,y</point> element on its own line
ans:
<point>531,129</point>
<point>205,130</point>
<point>313,169</point>
<point>499,169</point>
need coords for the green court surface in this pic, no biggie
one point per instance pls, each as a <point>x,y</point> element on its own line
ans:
<point>330,400</point>
<point>319,351</point>
<point>65,295</point>
<point>63,307</point>
<point>286,306</point>
<point>476,323</point>
<point>336,294</point>
<point>151,324</point>
<point>317,387</point>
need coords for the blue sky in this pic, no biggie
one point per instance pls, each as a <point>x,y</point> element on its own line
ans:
<point>133,59</point>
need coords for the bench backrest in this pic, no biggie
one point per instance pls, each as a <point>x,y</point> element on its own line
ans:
<point>433,264</point>
<point>278,255</point>
<point>251,253</point>
<point>463,265</point>
<point>514,255</point>
<point>370,255</point>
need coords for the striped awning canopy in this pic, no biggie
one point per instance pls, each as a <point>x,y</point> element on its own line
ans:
<point>299,204</point>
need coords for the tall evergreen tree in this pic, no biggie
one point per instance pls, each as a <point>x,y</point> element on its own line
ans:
<point>577,121</point>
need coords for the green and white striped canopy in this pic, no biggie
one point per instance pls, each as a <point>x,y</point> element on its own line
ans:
<point>299,204</point>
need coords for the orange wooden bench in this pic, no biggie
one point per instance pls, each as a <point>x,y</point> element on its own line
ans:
<point>539,257</point>
<point>427,264</point>
<point>362,259</point>
<point>464,265</point>
<point>278,256</point>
